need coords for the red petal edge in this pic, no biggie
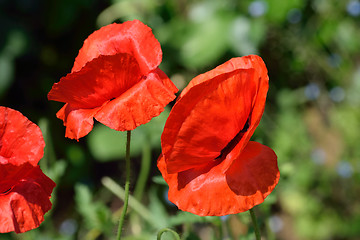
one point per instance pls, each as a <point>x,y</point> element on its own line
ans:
<point>198,127</point>
<point>99,81</point>
<point>139,104</point>
<point>23,208</point>
<point>78,122</point>
<point>207,191</point>
<point>21,140</point>
<point>249,75</point>
<point>131,37</point>
<point>246,62</point>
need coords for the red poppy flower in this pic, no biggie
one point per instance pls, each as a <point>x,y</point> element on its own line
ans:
<point>24,189</point>
<point>207,160</point>
<point>115,79</point>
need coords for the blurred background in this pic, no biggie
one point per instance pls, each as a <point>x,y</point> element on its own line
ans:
<point>311,120</point>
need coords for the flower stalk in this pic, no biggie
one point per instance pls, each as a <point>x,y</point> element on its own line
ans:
<point>256,226</point>
<point>127,185</point>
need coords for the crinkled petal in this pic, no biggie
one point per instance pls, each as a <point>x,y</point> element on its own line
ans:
<point>101,80</point>
<point>207,191</point>
<point>23,207</point>
<point>78,122</point>
<point>139,104</point>
<point>215,107</point>
<point>111,62</point>
<point>20,140</point>
<point>131,37</point>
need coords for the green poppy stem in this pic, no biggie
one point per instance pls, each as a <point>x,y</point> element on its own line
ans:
<point>256,226</point>
<point>127,185</point>
<point>175,234</point>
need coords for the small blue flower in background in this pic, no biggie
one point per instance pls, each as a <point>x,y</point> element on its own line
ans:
<point>312,91</point>
<point>344,169</point>
<point>294,16</point>
<point>257,8</point>
<point>353,8</point>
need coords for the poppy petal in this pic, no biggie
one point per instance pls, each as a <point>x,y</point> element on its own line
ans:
<point>139,104</point>
<point>78,122</point>
<point>20,140</point>
<point>131,37</point>
<point>207,191</point>
<point>246,62</point>
<point>258,105</point>
<point>112,61</point>
<point>62,113</point>
<point>23,207</point>
<point>212,110</point>
<point>11,174</point>
<point>102,79</point>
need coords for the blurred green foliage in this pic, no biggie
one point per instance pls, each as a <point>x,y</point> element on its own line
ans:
<point>312,51</point>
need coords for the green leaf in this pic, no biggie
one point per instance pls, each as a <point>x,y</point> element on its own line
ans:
<point>95,214</point>
<point>57,170</point>
<point>154,128</point>
<point>159,180</point>
<point>279,9</point>
<point>246,35</point>
<point>186,217</point>
<point>106,144</point>
<point>6,73</point>
<point>206,42</point>
<point>157,209</point>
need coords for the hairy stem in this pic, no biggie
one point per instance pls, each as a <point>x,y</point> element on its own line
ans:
<point>256,226</point>
<point>127,185</point>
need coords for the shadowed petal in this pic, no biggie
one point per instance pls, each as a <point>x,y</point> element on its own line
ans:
<point>20,140</point>
<point>207,191</point>
<point>23,207</point>
<point>254,170</point>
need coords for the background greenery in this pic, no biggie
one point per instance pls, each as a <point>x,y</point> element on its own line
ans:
<point>312,51</point>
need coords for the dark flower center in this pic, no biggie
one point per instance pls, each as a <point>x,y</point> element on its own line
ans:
<point>5,192</point>
<point>7,185</point>
<point>230,146</point>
